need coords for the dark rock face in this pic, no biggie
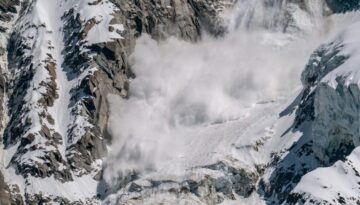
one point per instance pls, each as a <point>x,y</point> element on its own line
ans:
<point>17,129</point>
<point>322,61</point>
<point>340,6</point>
<point>241,181</point>
<point>155,18</point>
<point>330,136</point>
<point>88,99</point>
<point>185,19</point>
<point>9,194</point>
<point>328,118</point>
<point>4,194</point>
<point>340,126</point>
<point>83,151</point>
<point>41,199</point>
<point>334,111</point>
<point>9,6</point>
<point>7,10</point>
<point>178,18</point>
<point>219,183</point>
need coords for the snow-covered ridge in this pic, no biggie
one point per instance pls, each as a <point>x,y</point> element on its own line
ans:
<point>41,106</point>
<point>198,125</point>
<point>338,184</point>
<point>330,103</point>
<point>348,73</point>
<point>65,56</point>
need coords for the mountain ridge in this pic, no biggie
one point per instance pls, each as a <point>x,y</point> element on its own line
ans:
<point>61,60</point>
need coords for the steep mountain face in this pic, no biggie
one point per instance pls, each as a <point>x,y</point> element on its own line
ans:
<point>331,89</point>
<point>316,130</point>
<point>60,61</point>
<point>343,6</point>
<point>327,114</point>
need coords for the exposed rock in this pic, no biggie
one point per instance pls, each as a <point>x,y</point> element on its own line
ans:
<point>339,6</point>
<point>207,12</point>
<point>242,182</point>
<point>5,197</point>
<point>17,127</point>
<point>160,20</point>
<point>113,76</point>
<point>88,25</point>
<point>328,118</point>
<point>85,138</point>
<point>9,6</point>
<point>208,185</point>
<point>2,30</point>
<point>9,196</point>
<point>36,199</point>
<point>334,111</point>
<point>6,17</point>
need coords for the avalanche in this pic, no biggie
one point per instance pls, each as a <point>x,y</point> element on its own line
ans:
<point>248,102</point>
<point>221,100</point>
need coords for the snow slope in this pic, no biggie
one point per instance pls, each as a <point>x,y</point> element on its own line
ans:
<point>193,106</point>
<point>349,71</point>
<point>338,184</point>
<point>48,107</point>
<point>221,121</point>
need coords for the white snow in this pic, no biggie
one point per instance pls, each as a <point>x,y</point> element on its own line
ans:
<point>328,182</point>
<point>81,189</point>
<point>350,70</point>
<point>102,13</point>
<point>191,104</point>
<point>194,105</point>
<point>4,64</point>
<point>41,29</point>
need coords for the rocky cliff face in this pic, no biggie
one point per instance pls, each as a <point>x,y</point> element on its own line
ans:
<point>343,6</point>
<point>57,73</point>
<point>327,114</point>
<point>59,60</point>
<point>331,97</point>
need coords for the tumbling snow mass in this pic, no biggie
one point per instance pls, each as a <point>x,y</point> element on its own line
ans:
<point>189,102</point>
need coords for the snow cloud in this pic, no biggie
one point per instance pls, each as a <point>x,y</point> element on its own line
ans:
<point>180,86</point>
<point>183,86</point>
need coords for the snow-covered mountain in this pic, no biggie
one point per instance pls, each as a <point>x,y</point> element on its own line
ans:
<point>180,102</point>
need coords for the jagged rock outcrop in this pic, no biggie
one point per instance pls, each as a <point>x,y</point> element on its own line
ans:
<point>159,19</point>
<point>8,9</point>
<point>333,111</point>
<point>186,20</point>
<point>56,75</point>
<point>317,107</point>
<point>9,194</point>
<point>45,52</point>
<point>210,184</point>
<point>343,6</point>
<point>327,115</point>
